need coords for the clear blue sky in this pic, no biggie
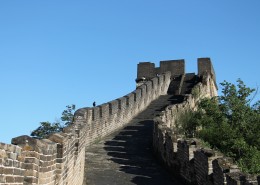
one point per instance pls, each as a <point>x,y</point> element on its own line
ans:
<point>59,52</point>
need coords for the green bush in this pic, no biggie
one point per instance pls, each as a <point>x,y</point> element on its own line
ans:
<point>230,124</point>
<point>46,128</point>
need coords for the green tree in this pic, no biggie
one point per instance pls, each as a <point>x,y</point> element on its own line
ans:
<point>46,128</point>
<point>67,115</point>
<point>231,124</point>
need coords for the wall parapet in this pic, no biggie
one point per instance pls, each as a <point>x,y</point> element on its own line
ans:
<point>187,158</point>
<point>60,159</point>
<point>106,118</point>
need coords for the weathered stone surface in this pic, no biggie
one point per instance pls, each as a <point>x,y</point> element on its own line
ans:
<point>126,157</point>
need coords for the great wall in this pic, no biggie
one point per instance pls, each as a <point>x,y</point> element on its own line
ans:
<point>131,140</point>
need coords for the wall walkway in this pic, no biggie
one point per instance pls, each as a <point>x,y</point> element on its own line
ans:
<point>119,135</point>
<point>60,159</point>
<point>188,159</point>
<point>126,157</point>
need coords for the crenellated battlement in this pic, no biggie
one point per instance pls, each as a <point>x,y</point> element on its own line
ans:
<point>147,70</point>
<point>187,158</point>
<point>60,159</point>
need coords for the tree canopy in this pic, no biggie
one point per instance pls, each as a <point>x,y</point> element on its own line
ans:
<point>46,128</point>
<point>231,124</point>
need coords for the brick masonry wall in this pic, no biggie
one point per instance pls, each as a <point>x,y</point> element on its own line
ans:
<point>177,67</point>
<point>186,158</point>
<point>102,120</point>
<point>11,165</point>
<point>146,69</point>
<point>60,159</point>
<point>205,65</point>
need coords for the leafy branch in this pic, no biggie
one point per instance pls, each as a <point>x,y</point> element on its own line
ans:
<point>46,128</point>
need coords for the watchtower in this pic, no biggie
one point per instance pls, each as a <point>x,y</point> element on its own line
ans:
<point>181,82</point>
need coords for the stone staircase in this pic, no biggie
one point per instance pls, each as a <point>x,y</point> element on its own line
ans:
<point>175,85</point>
<point>182,84</point>
<point>126,156</point>
<point>189,81</point>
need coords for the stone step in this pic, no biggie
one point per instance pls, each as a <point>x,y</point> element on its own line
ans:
<point>174,85</point>
<point>189,81</point>
<point>126,156</point>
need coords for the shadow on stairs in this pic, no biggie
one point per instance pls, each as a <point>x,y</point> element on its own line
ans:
<point>126,156</point>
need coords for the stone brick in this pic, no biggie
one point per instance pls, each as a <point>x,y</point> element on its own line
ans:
<point>41,156</point>
<point>18,150</point>
<point>30,173</point>
<point>49,158</point>
<point>18,172</point>
<point>11,148</point>
<point>14,156</point>
<point>9,163</point>
<point>2,178</point>
<point>30,180</point>
<point>30,166</point>
<point>31,154</point>
<point>146,69</point>
<point>19,179</point>
<point>8,171</point>
<point>10,179</point>
<point>176,67</point>
<point>31,160</point>
<point>16,164</point>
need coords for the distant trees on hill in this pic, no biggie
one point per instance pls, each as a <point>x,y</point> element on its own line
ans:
<point>46,128</point>
<point>230,124</point>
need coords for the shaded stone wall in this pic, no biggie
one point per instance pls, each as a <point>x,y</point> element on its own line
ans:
<point>104,119</point>
<point>176,67</point>
<point>205,66</point>
<point>148,70</point>
<point>187,158</point>
<point>12,169</point>
<point>60,159</point>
